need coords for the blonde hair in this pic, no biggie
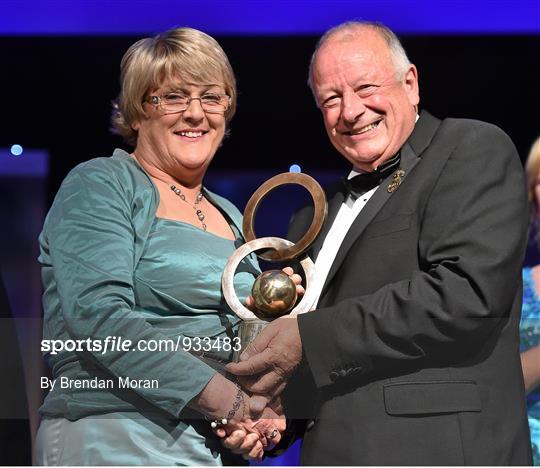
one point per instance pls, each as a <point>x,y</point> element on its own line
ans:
<point>181,53</point>
<point>532,169</point>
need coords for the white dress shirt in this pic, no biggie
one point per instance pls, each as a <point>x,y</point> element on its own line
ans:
<point>346,215</point>
<point>348,212</point>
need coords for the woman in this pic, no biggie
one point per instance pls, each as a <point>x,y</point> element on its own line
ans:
<point>133,249</point>
<point>530,316</point>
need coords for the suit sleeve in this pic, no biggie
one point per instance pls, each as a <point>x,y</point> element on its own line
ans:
<point>470,251</point>
<point>90,237</point>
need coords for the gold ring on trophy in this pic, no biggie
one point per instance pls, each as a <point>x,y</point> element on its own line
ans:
<point>275,244</point>
<point>319,216</point>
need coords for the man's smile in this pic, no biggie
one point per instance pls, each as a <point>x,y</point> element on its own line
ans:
<point>364,129</point>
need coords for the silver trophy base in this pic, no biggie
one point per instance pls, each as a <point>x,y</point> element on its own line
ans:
<point>247,332</point>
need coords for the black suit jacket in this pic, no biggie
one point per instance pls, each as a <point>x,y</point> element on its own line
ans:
<point>413,351</point>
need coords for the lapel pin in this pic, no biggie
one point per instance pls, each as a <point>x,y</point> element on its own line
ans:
<point>396,180</point>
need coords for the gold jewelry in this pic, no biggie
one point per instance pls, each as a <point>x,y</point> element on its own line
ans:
<point>396,180</point>
<point>198,200</point>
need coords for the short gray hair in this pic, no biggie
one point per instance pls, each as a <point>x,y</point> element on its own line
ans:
<point>399,56</point>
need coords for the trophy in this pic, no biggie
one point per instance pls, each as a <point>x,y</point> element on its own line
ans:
<point>274,293</point>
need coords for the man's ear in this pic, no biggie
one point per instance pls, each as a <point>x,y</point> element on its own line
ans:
<point>411,85</point>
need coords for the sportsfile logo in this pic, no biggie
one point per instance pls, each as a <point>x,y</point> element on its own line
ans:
<point>119,344</point>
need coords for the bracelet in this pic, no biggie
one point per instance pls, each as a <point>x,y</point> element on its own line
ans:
<point>238,400</point>
<point>218,422</point>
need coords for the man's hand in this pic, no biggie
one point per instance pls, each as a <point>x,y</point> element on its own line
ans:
<point>274,355</point>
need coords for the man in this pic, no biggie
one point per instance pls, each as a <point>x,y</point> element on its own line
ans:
<point>413,346</point>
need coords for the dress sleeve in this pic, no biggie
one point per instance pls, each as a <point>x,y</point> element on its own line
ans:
<point>91,241</point>
<point>470,252</point>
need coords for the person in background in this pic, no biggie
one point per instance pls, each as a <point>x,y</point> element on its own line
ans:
<point>532,256</point>
<point>133,249</point>
<point>530,314</point>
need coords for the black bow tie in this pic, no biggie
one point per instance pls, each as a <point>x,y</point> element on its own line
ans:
<point>364,182</point>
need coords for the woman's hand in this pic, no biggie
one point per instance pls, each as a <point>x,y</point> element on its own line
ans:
<point>238,439</point>
<point>250,438</point>
<point>221,398</point>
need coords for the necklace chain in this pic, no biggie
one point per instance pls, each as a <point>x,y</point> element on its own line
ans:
<point>198,200</point>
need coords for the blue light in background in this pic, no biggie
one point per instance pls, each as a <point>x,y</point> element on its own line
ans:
<point>16,150</point>
<point>295,168</point>
<point>266,17</point>
<point>35,162</point>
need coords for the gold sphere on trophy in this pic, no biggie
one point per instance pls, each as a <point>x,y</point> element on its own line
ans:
<point>274,293</point>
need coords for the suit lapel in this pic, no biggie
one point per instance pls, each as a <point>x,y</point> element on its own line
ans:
<point>417,143</point>
<point>423,133</point>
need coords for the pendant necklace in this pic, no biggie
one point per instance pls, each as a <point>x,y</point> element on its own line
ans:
<point>198,200</point>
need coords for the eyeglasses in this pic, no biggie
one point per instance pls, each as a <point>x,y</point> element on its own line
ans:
<point>175,102</point>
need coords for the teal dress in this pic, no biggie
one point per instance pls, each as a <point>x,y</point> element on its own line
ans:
<point>530,336</point>
<point>112,271</point>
